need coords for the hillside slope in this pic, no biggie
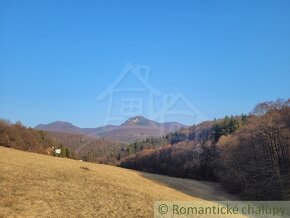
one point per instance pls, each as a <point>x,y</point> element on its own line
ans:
<point>34,185</point>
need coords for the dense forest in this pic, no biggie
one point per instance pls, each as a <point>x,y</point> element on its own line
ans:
<point>255,161</point>
<point>248,154</point>
<point>91,149</point>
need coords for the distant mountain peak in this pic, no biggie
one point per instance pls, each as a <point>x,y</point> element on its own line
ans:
<point>139,120</point>
<point>134,129</point>
<point>60,126</point>
<point>61,123</point>
<point>57,123</point>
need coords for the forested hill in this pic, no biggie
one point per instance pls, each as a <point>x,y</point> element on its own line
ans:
<point>249,155</point>
<point>27,139</point>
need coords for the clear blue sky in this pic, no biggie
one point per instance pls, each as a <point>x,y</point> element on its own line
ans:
<point>57,56</point>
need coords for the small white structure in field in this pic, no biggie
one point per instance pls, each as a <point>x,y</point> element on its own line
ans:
<point>57,151</point>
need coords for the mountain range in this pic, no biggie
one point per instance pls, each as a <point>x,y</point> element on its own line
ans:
<point>133,129</point>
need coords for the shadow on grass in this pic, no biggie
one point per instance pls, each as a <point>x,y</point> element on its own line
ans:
<point>210,191</point>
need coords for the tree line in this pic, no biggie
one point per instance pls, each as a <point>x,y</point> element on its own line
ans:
<point>27,139</point>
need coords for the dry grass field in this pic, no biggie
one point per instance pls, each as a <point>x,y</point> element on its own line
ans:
<point>34,185</point>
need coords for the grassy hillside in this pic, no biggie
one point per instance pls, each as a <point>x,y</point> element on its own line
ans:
<point>35,185</point>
